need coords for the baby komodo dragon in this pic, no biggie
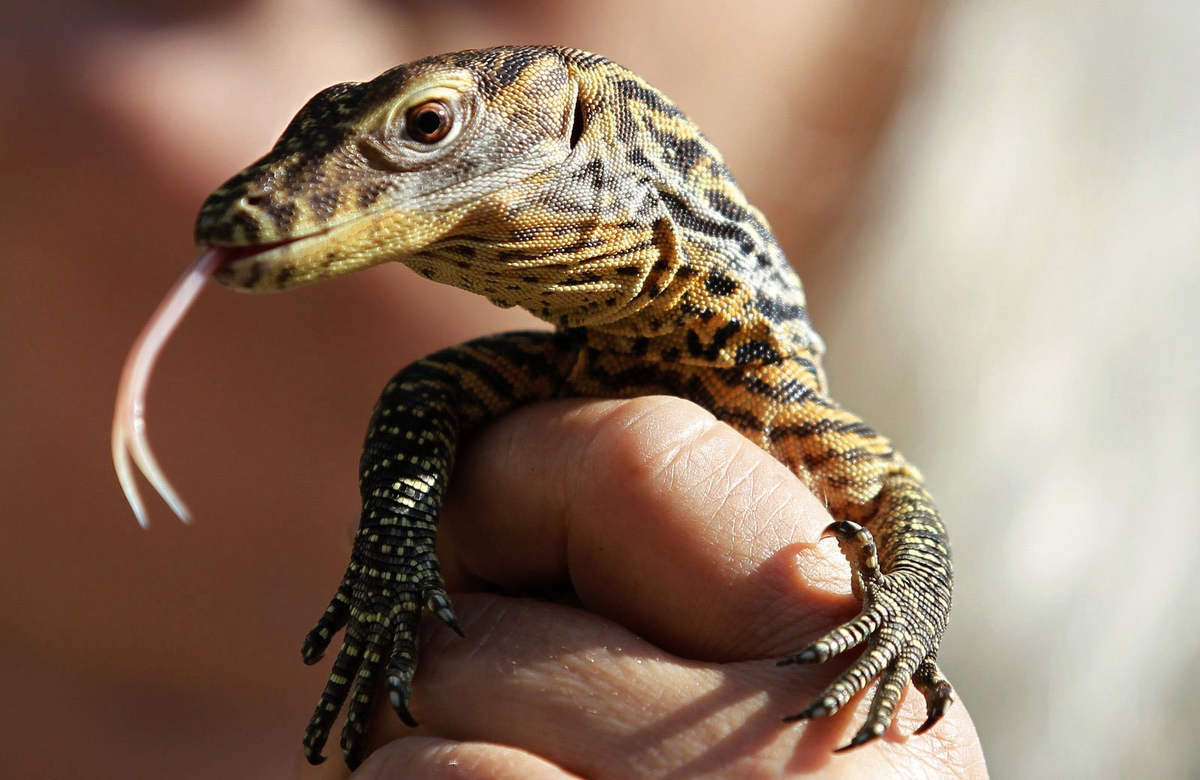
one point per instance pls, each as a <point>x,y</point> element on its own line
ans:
<point>556,180</point>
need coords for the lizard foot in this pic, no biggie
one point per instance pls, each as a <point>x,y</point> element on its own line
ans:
<point>901,625</point>
<point>379,604</point>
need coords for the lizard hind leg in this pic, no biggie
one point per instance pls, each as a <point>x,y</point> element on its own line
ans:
<point>901,622</point>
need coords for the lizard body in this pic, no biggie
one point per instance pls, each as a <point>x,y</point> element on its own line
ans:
<point>558,181</point>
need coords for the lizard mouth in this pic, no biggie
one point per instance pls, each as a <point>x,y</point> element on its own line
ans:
<point>264,267</point>
<point>232,254</point>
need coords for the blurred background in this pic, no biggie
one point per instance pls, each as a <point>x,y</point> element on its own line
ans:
<point>996,210</point>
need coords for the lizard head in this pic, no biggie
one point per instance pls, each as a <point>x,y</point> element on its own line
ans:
<point>542,177</point>
<point>391,169</point>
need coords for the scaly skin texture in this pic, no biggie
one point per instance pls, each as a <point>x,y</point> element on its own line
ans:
<point>561,182</point>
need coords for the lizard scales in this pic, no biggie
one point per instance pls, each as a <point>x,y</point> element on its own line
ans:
<point>556,180</point>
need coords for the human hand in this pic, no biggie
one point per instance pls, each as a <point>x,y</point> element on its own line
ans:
<point>695,554</point>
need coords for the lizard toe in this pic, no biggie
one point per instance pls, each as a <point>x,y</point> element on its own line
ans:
<point>337,614</point>
<point>402,666</point>
<point>850,682</point>
<point>938,693</point>
<point>358,713</point>
<point>836,641</point>
<point>437,602</point>
<point>887,699</point>
<point>858,545</point>
<point>332,698</point>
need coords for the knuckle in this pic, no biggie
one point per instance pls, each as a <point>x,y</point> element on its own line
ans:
<point>644,435</point>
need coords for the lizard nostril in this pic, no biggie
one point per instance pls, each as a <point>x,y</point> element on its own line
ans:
<point>254,201</point>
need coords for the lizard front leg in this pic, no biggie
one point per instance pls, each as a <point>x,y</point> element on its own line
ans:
<point>407,459</point>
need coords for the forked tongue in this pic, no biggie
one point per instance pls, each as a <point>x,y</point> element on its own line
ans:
<point>129,419</point>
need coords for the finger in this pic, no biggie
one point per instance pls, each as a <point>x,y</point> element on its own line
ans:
<point>662,518</point>
<point>586,694</point>
<point>430,758</point>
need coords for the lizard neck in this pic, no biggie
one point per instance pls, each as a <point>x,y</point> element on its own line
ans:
<point>707,301</point>
<point>698,276</point>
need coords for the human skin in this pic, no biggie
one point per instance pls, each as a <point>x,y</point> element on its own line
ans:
<point>696,557</point>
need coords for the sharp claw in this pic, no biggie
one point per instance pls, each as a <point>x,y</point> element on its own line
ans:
<point>439,604</point>
<point>398,695</point>
<point>809,655</point>
<point>353,745</point>
<point>929,723</point>
<point>336,616</point>
<point>938,693</point>
<point>447,616</point>
<point>826,705</point>
<point>864,735</point>
<point>311,652</point>
<point>313,744</point>
<point>936,712</point>
<point>844,529</point>
<point>406,717</point>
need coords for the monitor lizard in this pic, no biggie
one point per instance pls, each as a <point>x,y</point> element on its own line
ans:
<point>557,180</point>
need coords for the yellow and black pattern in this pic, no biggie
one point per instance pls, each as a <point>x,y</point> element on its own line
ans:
<point>558,181</point>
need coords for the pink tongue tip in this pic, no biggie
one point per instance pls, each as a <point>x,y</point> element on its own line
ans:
<point>129,442</point>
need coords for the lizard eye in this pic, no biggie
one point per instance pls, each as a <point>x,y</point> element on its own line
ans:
<point>429,122</point>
